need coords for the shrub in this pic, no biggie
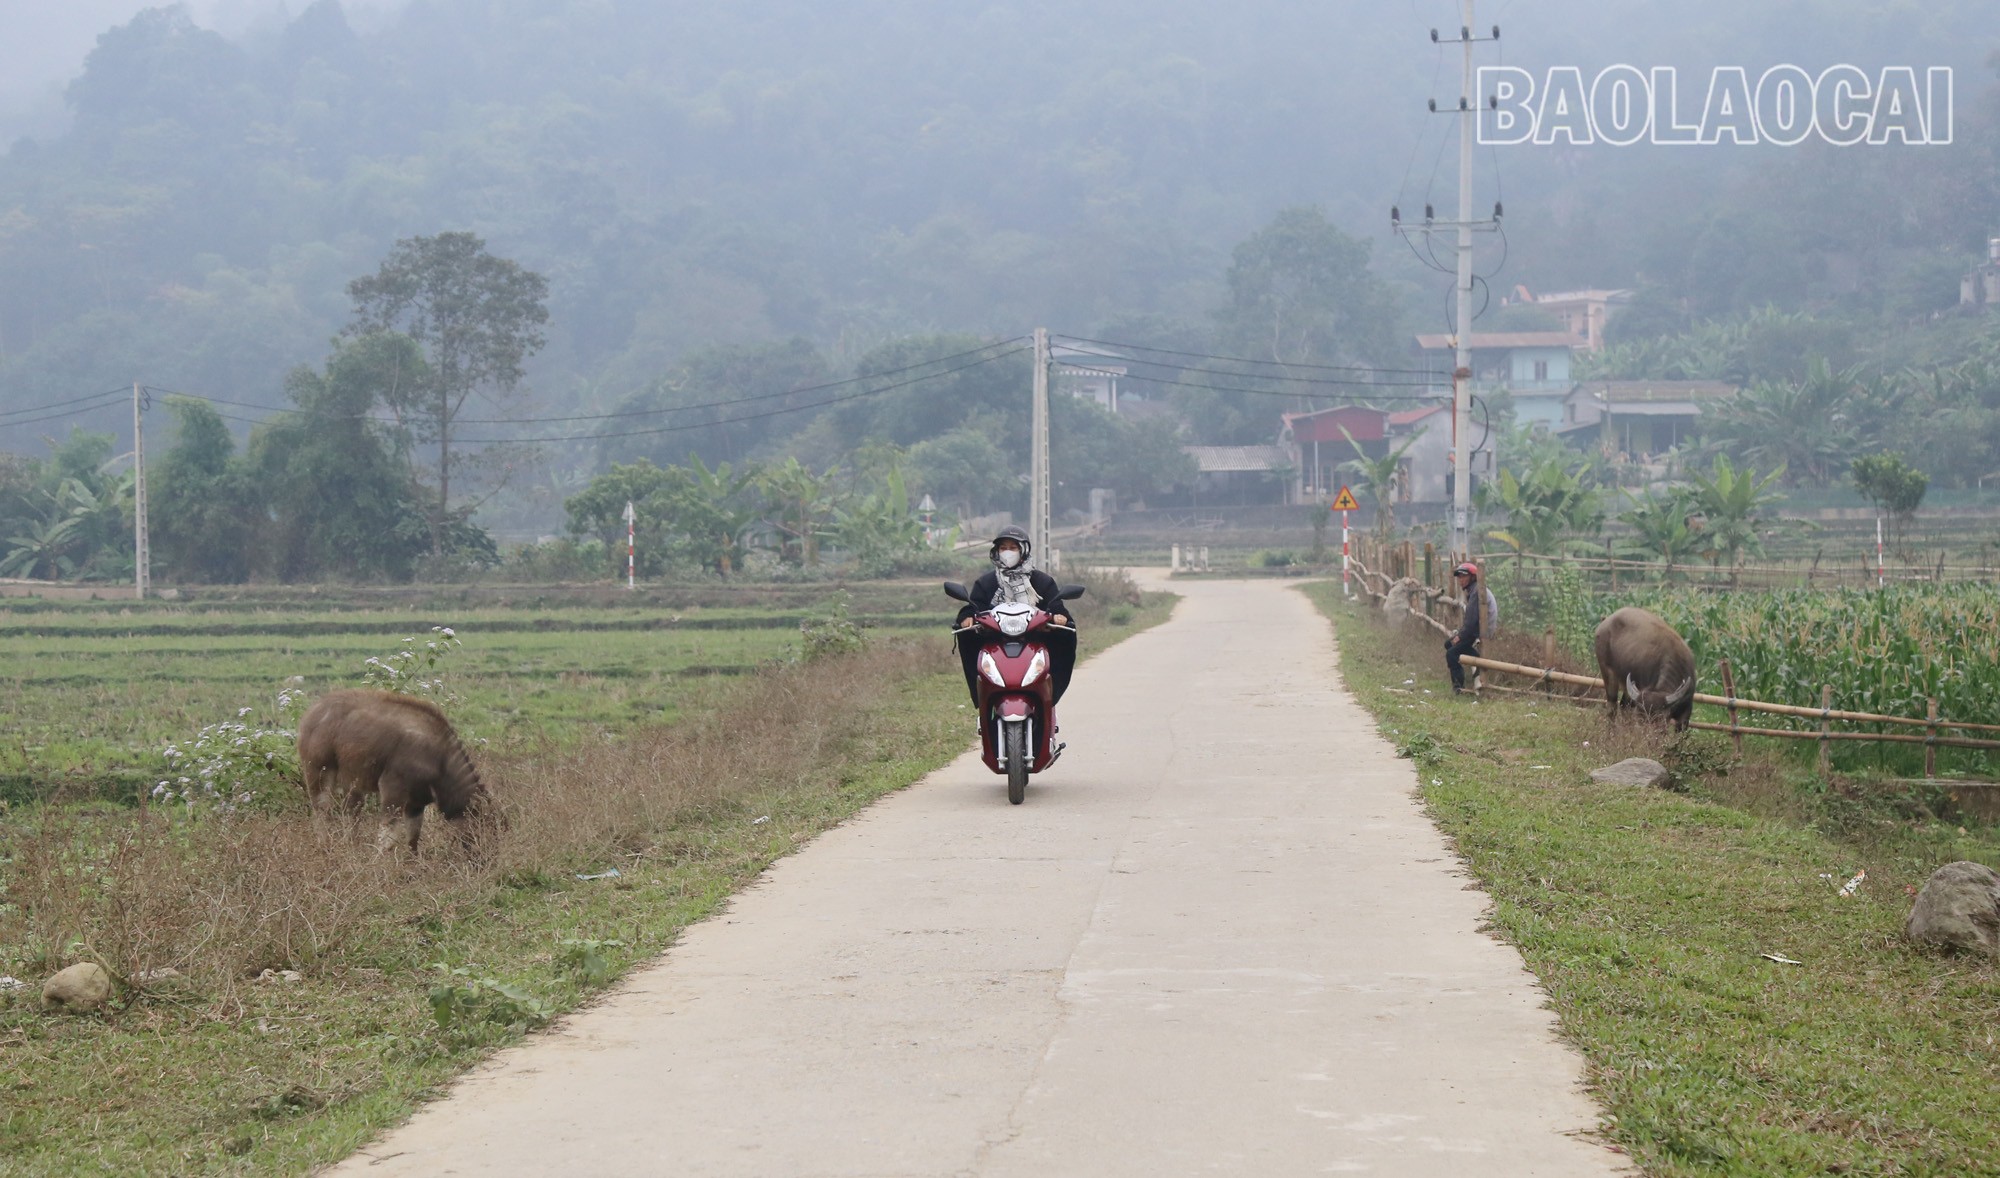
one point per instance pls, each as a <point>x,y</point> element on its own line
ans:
<point>830,631</point>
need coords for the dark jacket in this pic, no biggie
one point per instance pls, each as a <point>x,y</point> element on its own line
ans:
<point>989,583</point>
<point>1482,613</point>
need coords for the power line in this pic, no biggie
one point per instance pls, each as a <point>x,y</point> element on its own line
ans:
<point>116,398</point>
<point>1082,339</point>
<point>119,392</point>
<point>558,420</point>
<point>674,429</point>
<point>1353,396</point>
<point>1311,380</point>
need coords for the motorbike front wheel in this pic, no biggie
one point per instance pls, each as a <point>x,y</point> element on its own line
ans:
<point>1014,747</point>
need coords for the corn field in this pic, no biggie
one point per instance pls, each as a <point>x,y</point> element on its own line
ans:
<point>1884,651</point>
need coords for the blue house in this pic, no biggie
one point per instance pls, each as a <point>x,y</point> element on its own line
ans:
<point>1533,366</point>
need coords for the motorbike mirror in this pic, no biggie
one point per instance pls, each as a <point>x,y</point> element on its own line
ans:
<point>1070,592</point>
<point>957,592</point>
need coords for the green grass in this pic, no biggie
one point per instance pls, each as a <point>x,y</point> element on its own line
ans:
<point>1646,915</point>
<point>93,693</point>
<point>280,1077</point>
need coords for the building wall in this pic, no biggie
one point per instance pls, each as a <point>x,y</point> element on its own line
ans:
<point>1522,366</point>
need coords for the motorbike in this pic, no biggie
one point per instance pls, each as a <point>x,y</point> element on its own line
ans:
<point>1016,695</point>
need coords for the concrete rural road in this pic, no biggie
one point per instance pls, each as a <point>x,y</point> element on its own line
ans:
<point>1220,937</point>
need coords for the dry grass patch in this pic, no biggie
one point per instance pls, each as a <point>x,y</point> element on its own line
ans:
<point>411,969</point>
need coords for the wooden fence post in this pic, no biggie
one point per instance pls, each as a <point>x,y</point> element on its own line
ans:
<point>1825,745</point>
<point>1930,739</point>
<point>1729,690</point>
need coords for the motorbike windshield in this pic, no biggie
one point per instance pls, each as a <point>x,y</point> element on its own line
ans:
<point>1013,619</point>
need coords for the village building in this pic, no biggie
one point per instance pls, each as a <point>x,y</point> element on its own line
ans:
<point>1981,287</point>
<point>1318,443</point>
<point>1638,419</point>
<point>1533,367</point>
<point>1096,375</point>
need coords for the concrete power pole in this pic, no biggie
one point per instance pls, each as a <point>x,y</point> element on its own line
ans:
<point>1465,226</point>
<point>1038,445</point>
<point>142,547</point>
<point>1461,374</point>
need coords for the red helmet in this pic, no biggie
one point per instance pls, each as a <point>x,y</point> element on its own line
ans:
<point>1468,568</point>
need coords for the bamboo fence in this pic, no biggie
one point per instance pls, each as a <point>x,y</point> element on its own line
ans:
<point>1426,597</point>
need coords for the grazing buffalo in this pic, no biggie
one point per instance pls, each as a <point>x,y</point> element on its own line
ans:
<point>358,744</point>
<point>1642,658</point>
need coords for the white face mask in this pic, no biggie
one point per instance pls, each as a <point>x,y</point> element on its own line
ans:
<point>1008,558</point>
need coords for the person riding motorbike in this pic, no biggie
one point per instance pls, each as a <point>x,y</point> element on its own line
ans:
<point>1014,578</point>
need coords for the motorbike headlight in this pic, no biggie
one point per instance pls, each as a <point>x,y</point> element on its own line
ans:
<point>991,669</point>
<point>1013,625</point>
<point>1036,666</point>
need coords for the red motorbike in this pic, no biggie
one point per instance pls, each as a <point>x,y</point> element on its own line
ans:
<point>1016,696</point>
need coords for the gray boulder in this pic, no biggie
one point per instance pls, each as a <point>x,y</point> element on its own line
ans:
<point>1637,772</point>
<point>80,989</point>
<point>1959,906</point>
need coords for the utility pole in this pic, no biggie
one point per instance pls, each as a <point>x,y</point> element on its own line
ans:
<point>1461,372</point>
<point>1461,376</point>
<point>1038,445</point>
<point>142,547</point>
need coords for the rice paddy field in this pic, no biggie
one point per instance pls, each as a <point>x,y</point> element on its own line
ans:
<point>94,692</point>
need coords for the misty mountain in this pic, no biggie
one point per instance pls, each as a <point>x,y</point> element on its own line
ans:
<point>690,174</point>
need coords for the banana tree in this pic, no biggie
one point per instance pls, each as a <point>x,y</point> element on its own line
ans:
<point>1661,529</point>
<point>1379,479</point>
<point>1734,505</point>
<point>802,504</point>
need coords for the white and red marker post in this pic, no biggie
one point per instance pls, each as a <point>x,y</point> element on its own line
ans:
<point>631,546</point>
<point>1344,503</point>
<point>1881,570</point>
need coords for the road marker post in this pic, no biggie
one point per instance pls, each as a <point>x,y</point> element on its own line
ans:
<point>1344,503</point>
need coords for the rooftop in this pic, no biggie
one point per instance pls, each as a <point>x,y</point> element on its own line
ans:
<point>1504,339</point>
<point>1227,459</point>
<point>1628,392</point>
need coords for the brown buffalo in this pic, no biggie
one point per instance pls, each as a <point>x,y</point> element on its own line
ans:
<point>358,744</point>
<point>1645,662</point>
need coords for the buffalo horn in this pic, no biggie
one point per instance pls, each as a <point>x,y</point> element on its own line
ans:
<point>1681,692</point>
<point>1631,689</point>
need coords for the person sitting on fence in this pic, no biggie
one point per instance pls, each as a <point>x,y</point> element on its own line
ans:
<point>1482,617</point>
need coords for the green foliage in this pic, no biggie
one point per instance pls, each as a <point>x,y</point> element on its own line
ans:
<point>588,958</point>
<point>831,631</point>
<point>1663,528</point>
<point>799,507</point>
<point>1549,508</point>
<point>1300,291</point>
<point>1890,483</point>
<point>415,670</point>
<point>339,499</point>
<point>475,317</point>
<point>475,1007</point>
<point>1379,477</point>
<point>1423,748</point>
<point>204,501</point>
<point>249,760</point>
<point>1736,506</point>
<point>1886,651</point>
<point>1810,427</point>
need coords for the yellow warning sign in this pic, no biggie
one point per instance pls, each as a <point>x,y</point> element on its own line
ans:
<point>1345,501</point>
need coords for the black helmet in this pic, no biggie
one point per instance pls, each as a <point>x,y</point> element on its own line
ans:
<point>1018,536</point>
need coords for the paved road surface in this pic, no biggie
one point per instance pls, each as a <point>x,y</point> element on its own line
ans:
<point>1219,938</point>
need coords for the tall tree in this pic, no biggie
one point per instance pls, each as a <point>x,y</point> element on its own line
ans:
<point>477,319</point>
<point>203,521</point>
<point>338,498</point>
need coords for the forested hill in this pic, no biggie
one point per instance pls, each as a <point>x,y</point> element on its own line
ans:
<point>698,173</point>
